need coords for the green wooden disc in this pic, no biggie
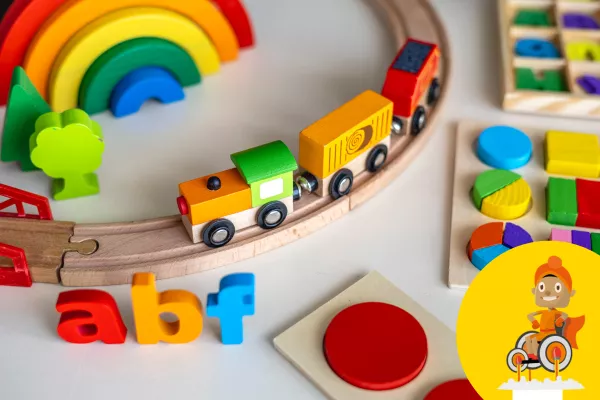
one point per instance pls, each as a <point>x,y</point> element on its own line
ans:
<point>112,66</point>
<point>489,182</point>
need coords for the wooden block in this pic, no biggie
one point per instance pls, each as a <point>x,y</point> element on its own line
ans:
<point>68,147</point>
<point>583,51</point>
<point>108,31</point>
<point>485,236</point>
<point>203,204</point>
<point>238,18</point>
<point>573,154</point>
<point>581,238</point>
<point>234,301</point>
<point>491,181</point>
<point>483,257</point>
<point>88,316</point>
<point>344,134</point>
<point>550,81</point>
<point>515,236</point>
<point>141,85</point>
<point>504,147</point>
<point>302,344</point>
<point>596,242</point>
<point>588,204</point>
<point>148,305</point>
<point>538,18</point>
<point>561,201</point>
<point>24,107</point>
<point>510,202</point>
<point>560,235</point>
<point>240,220</point>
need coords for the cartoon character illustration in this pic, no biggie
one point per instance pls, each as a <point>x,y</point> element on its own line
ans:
<point>551,344</point>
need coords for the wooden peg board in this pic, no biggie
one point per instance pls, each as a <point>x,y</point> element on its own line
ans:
<point>573,101</point>
<point>302,344</point>
<point>466,217</point>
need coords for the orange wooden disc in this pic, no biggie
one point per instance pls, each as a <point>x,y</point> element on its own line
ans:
<point>375,346</point>
<point>458,389</point>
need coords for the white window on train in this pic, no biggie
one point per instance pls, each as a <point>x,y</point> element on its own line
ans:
<point>271,188</point>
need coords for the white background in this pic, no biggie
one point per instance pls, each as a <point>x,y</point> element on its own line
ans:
<point>312,56</point>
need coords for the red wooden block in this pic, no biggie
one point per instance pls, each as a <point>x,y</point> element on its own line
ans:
<point>238,18</point>
<point>19,26</point>
<point>487,235</point>
<point>18,274</point>
<point>457,389</point>
<point>18,197</point>
<point>375,346</point>
<point>89,315</point>
<point>588,203</point>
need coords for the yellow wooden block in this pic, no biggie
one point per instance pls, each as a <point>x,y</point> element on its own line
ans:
<point>148,305</point>
<point>101,35</point>
<point>572,154</point>
<point>583,51</point>
<point>205,205</point>
<point>508,203</point>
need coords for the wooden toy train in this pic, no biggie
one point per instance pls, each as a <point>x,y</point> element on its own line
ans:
<point>349,141</point>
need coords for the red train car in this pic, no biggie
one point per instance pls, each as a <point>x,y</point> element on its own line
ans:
<point>412,84</point>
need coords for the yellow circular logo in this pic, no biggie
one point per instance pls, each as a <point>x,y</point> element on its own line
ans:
<point>528,326</point>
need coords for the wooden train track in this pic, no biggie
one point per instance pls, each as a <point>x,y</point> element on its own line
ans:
<point>162,245</point>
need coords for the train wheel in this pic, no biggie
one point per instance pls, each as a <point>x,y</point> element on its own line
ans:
<point>341,184</point>
<point>435,90</point>
<point>272,215</point>
<point>377,158</point>
<point>419,121</point>
<point>218,233</point>
<point>397,126</point>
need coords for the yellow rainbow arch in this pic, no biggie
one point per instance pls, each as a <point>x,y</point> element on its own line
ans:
<point>104,33</point>
<point>76,15</point>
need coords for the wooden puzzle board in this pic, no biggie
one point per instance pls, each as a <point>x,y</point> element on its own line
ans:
<point>466,217</point>
<point>574,102</point>
<point>302,344</point>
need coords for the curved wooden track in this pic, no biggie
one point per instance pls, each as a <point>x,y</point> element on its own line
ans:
<point>162,245</point>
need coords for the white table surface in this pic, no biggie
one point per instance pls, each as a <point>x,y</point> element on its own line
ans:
<point>311,57</point>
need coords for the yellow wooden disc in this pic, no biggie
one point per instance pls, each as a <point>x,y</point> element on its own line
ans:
<point>131,23</point>
<point>510,202</point>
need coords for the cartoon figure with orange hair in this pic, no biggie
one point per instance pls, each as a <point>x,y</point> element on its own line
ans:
<point>552,344</point>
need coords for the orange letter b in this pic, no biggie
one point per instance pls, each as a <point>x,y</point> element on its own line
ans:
<point>148,305</point>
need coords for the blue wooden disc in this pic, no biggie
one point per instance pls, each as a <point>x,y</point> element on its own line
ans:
<point>504,147</point>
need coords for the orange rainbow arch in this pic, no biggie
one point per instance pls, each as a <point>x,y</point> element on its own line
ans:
<point>35,33</point>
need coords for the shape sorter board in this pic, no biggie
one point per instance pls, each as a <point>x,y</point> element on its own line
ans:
<point>466,217</point>
<point>537,81</point>
<point>302,344</point>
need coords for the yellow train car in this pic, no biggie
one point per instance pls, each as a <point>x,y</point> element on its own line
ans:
<point>348,141</point>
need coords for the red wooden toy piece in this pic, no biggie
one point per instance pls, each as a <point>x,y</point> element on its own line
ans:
<point>18,197</point>
<point>457,389</point>
<point>235,12</point>
<point>89,315</point>
<point>588,204</point>
<point>486,236</point>
<point>375,346</point>
<point>18,275</point>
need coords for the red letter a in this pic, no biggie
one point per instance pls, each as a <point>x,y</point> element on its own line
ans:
<point>88,316</point>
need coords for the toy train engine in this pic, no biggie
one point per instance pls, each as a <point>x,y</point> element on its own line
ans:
<point>259,191</point>
<point>412,85</point>
<point>348,141</point>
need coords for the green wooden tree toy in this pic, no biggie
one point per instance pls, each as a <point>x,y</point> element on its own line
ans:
<point>68,147</point>
<point>24,107</point>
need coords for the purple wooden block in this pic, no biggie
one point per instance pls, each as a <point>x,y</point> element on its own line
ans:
<point>515,236</point>
<point>590,84</point>
<point>583,239</point>
<point>579,21</point>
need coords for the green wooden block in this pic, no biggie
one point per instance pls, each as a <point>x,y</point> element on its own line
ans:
<point>551,81</point>
<point>532,18</point>
<point>596,242</point>
<point>112,66</point>
<point>491,181</point>
<point>68,147</point>
<point>272,189</point>
<point>24,107</point>
<point>264,162</point>
<point>561,201</point>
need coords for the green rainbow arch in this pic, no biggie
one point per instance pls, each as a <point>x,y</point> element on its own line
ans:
<point>116,63</point>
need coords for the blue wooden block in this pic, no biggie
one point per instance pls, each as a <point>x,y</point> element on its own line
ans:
<point>581,238</point>
<point>504,147</point>
<point>142,85</point>
<point>234,301</point>
<point>515,236</point>
<point>483,257</point>
<point>579,21</point>
<point>536,48</point>
<point>590,84</point>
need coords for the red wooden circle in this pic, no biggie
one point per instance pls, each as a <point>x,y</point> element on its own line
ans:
<point>375,346</point>
<point>182,205</point>
<point>458,389</point>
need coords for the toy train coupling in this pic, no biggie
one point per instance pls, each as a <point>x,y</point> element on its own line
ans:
<point>308,182</point>
<point>297,191</point>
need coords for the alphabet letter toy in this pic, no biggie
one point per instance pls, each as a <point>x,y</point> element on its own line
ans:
<point>234,300</point>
